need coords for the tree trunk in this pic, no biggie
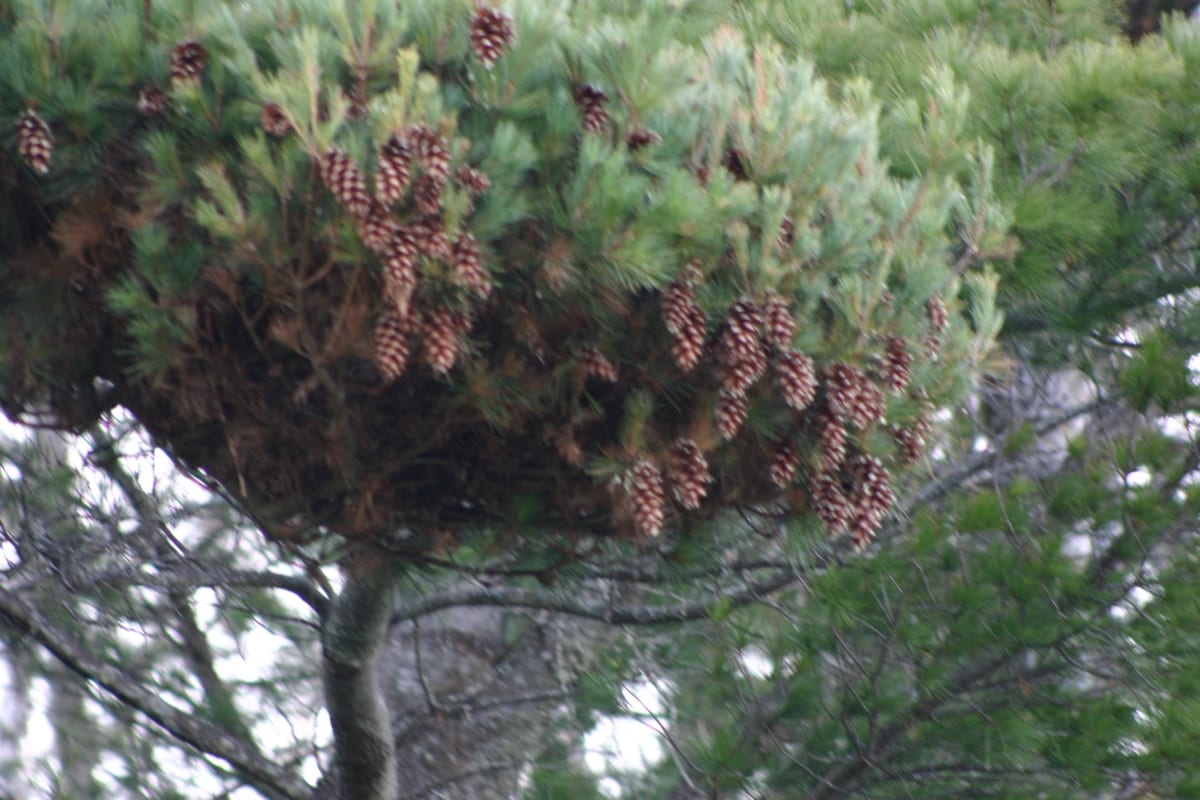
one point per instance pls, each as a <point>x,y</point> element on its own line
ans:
<point>474,695</point>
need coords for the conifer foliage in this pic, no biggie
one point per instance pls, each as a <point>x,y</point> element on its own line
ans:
<point>365,252</point>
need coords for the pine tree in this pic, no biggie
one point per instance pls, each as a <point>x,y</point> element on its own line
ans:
<point>705,194</point>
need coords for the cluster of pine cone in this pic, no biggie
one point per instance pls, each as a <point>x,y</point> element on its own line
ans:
<point>849,493</point>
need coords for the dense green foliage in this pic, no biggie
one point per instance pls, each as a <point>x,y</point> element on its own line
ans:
<point>206,269</point>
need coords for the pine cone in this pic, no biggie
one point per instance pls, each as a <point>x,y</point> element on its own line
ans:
<point>931,345</point>
<point>853,395</point>
<point>778,325</point>
<point>784,463</point>
<point>870,498</point>
<point>911,440</point>
<point>428,195</point>
<point>685,322</point>
<point>638,138</point>
<point>472,179</point>
<point>741,369</point>
<point>688,471</point>
<point>468,265</point>
<point>35,145</point>
<point>796,378</point>
<point>400,271</point>
<point>870,407</point>
<point>377,230</point>
<point>743,323</point>
<point>597,365</point>
<point>431,238</point>
<point>344,179</point>
<point>432,154</point>
<point>829,503</point>
<point>152,101</point>
<point>590,100</point>
<point>188,59</point>
<point>274,121</point>
<point>441,331</point>
<point>491,34</point>
<point>895,370</point>
<point>391,345</point>
<point>648,499</point>
<point>831,438</point>
<point>935,309</point>
<point>731,411</point>
<point>393,169</point>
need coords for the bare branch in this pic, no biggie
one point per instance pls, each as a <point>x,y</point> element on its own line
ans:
<point>188,728</point>
<point>601,611</point>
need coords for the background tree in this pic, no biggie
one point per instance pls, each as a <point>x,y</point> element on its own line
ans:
<point>218,267</point>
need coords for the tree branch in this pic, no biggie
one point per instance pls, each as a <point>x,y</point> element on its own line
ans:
<point>601,611</point>
<point>200,734</point>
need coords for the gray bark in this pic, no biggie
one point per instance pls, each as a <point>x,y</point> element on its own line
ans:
<point>476,693</point>
<point>351,638</point>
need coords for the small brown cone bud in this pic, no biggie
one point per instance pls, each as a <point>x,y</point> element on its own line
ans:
<point>188,60</point>
<point>731,411</point>
<point>431,152</point>
<point>638,138</point>
<point>35,145</point>
<point>342,176</point>
<point>784,463</point>
<point>393,169</point>
<point>391,345</point>
<point>778,325</point>
<point>468,265</point>
<point>688,471</point>
<point>648,499</point>
<point>796,378</point>
<point>441,331</point>
<point>935,309</point>
<point>829,503</point>
<point>491,34</point>
<point>152,101</point>
<point>734,160</point>
<point>597,365</point>
<point>895,368</point>
<point>472,179</point>
<point>685,322</point>
<point>590,100</point>
<point>274,121</point>
<point>787,234</point>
